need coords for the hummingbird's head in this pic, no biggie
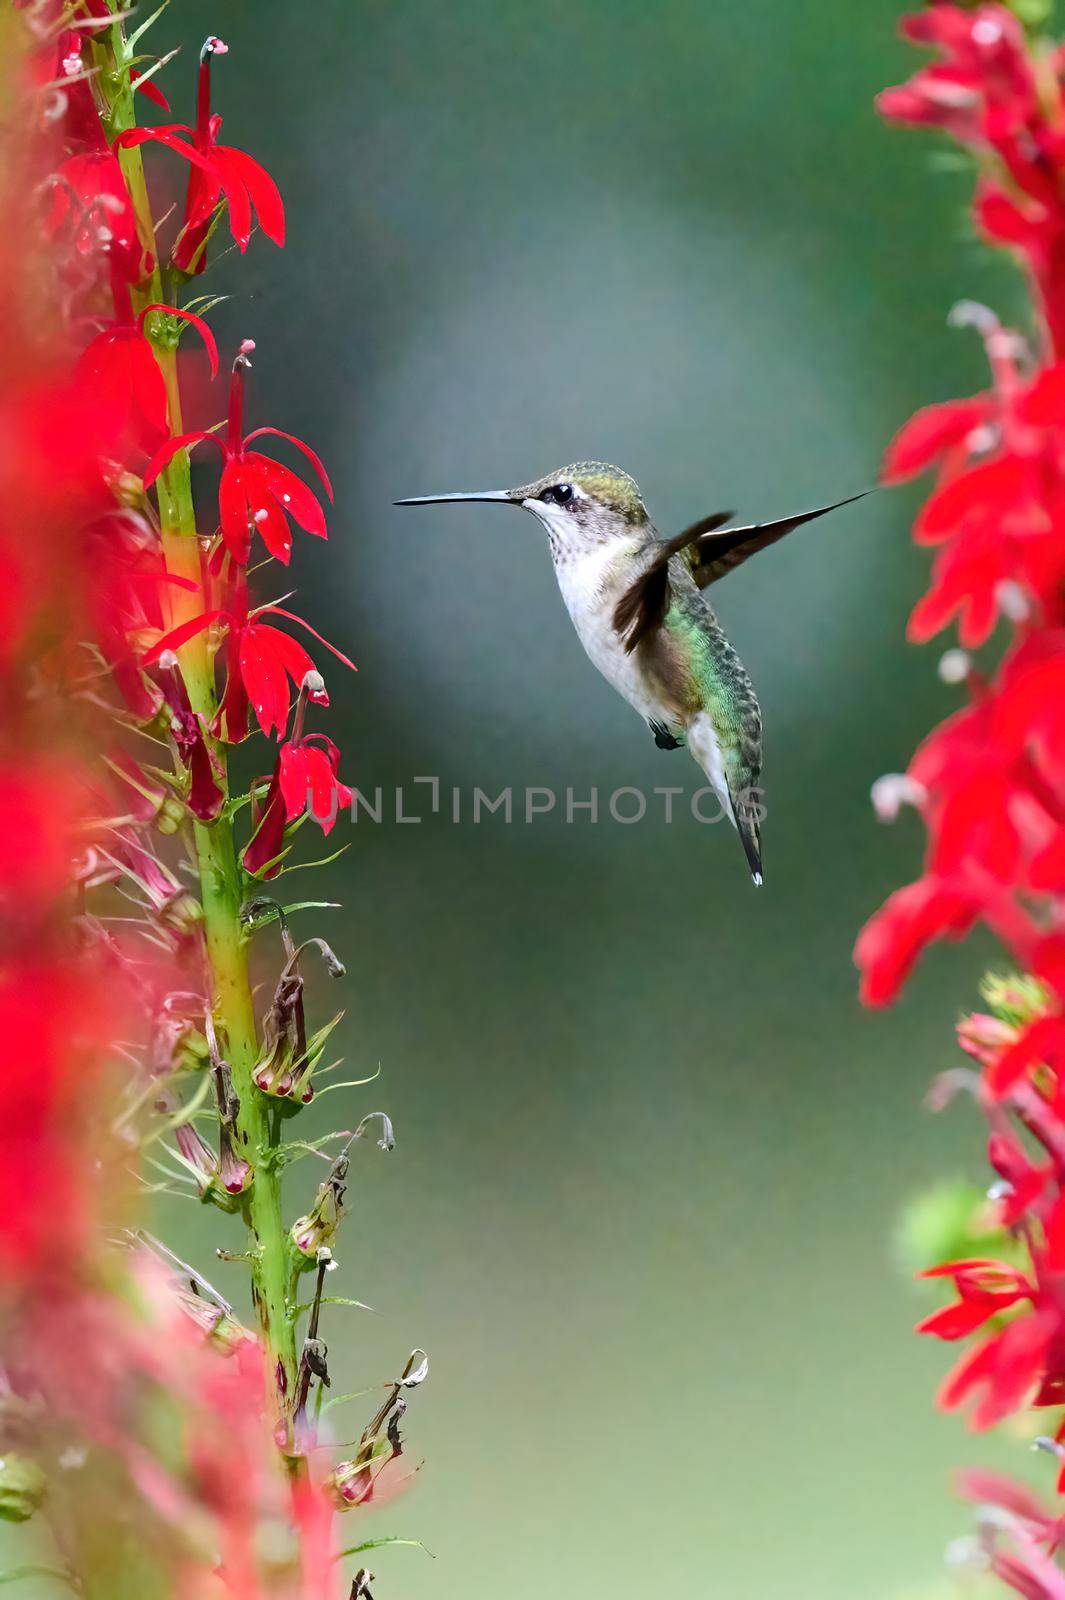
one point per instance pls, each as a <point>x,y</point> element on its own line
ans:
<point>586,504</point>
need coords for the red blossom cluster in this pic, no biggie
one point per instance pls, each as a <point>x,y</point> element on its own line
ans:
<point>179,1452</point>
<point>989,782</point>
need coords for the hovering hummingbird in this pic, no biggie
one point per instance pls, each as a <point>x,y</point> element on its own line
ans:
<point>635,600</point>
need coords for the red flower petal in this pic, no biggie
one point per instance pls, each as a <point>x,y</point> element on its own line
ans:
<point>1001,1371</point>
<point>1043,1040</point>
<point>291,494</point>
<point>1044,404</point>
<point>279,611</point>
<point>267,842</point>
<point>120,373</point>
<point>167,452</point>
<point>931,432</point>
<point>265,678</point>
<point>197,322</point>
<point>314,459</point>
<point>266,516</point>
<point>236,193</point>
<point>234,511</point>
<point>991,490</point>
<point>290,653</point>
<point>150,90</point>
<point>891,941</point>
<point>993,1488</point>
<point>962,1318</point>
<point>261,188</point>
<point>181,635</point>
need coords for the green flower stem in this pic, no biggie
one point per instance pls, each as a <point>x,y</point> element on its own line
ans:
<point>219,870</point>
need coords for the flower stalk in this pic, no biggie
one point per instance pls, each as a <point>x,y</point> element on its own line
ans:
<point>216,857</point>
<point>132,867</point>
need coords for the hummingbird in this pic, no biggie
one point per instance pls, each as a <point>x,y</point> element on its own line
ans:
<point>637,603</point>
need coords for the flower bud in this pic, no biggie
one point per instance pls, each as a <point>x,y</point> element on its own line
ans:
<point>351,1482</point>
<point>22,1487</point>
<point>317,1230</point>
<point>1015,998</point>
<point>171,815</point>
<point>984,1037</point>
<point>183,912</point>
<point>235,1173</point>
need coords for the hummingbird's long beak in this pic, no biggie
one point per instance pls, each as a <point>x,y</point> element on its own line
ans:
<point>504,496</point>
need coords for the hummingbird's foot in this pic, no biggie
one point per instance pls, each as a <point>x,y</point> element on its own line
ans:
<point>663,738</point>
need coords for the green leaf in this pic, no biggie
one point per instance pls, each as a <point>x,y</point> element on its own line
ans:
<point>203,303</point>
<point>340,1399</point>
<point>947,1222</point>
<point>164,61</point>
<point>378,1544</point>
<point>270,913</point>
<point>349,1083</point>
<point>323,861</point>
<point>334,1300</point>
<point>183,1114</point>
<point>138,33</point>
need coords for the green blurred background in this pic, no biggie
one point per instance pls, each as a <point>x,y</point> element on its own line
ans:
<point>651,1154</point>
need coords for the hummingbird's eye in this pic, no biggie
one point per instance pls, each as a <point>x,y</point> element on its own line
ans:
<point>559,494</point>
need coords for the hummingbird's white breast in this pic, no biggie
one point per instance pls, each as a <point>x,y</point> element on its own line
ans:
<point>592,580</point>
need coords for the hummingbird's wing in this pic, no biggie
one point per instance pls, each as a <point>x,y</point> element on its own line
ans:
<point>712,552</point>
<point>715,554</point>
<point>644,604</point>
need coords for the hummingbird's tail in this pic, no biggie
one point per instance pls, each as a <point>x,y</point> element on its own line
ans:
<point>733,774</point>
<point>749,829</point>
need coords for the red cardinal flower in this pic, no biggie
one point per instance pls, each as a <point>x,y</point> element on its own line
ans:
<point>130,579</point>
<point>216,170</point>
<point>983,90</point>
<point>262,856</point>
<point>985,1289</point>
<point>260,662</point>
<point>989,783</point>
<point>205,797</point>
<point>891,941</point>
<point>118,370</point>
<point>89,195</point>
<point>304,779</point>
<point>934,431</point>
<point>1011,1363</point>
<point>256,494</point>
<point>309,782</point>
